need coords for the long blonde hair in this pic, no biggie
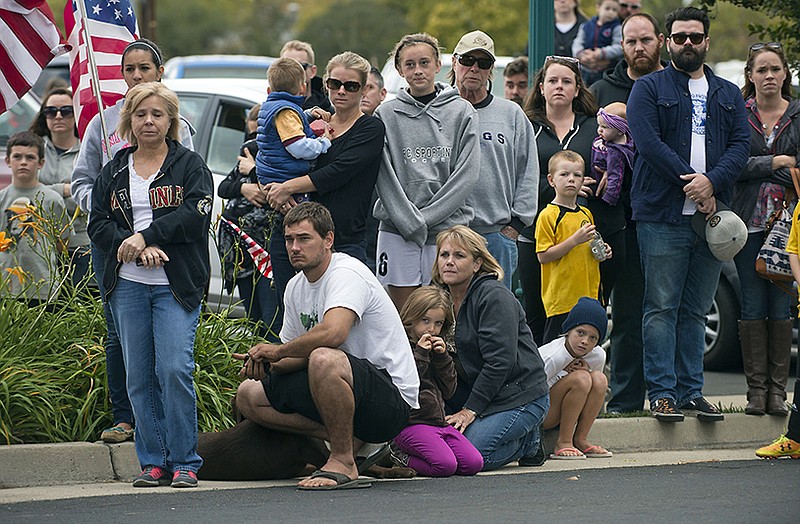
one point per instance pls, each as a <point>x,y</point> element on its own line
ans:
<point>474,243</point>
<point>420,301</point>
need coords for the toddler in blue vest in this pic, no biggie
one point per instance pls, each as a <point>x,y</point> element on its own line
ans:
<point>286,142</point>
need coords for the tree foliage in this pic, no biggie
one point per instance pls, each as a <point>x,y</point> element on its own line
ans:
<point>781,22</point>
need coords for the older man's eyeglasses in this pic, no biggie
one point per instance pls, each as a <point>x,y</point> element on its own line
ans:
<point>632,7</point>
<point>52,111</point>
<point>469,61</point>
<point>694,38</point>
<point>305,65</point>
<point>350,86</point>
<point>776,46</point>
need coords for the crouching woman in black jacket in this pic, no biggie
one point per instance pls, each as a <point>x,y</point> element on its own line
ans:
<point>151,211</point>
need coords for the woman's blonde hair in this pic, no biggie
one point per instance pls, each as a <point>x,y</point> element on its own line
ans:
<point>423,299</point>
<point>138,94</point>
<point>475,245</point>
<point>352,61</point>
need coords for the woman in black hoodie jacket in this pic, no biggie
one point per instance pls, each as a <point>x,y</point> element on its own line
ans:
<point>504,395</point>
<point>151,211</point>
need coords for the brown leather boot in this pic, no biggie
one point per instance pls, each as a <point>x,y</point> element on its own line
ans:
<point>753,338</point>
<point>779,351</point>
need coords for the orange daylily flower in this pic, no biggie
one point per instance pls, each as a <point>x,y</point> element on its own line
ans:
<point>5,243</point>
<point>17,272</point>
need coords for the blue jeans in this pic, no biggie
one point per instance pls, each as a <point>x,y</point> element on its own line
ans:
<point>509,435</point>
<point>261,303</point>
<point>680,278</point>
<point>282,270</point>
<point>115,364</point>
<point>157,336</point>
<point>762,299</point>
<point>504,250</point>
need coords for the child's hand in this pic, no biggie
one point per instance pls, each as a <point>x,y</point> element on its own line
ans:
<point>584,234</point>
<point>425,342</point>
<point>438,345</point>
<point>576,365</point>
<point>318,112</point>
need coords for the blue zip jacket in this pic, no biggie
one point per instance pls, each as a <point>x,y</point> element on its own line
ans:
<point>273,162</point>
<point>660,119</point>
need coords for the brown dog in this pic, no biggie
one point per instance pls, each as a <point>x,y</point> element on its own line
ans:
<point>248,451</point>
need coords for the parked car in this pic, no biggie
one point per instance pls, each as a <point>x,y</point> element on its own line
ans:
<point>218,66</point>
<point>392,80</point>
<point>217,109</point>
<point>16,119</point>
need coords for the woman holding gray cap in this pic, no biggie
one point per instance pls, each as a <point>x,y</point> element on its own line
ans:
<point>765,185</point>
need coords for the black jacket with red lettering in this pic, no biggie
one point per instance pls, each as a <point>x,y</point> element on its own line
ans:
<point>181,196</point>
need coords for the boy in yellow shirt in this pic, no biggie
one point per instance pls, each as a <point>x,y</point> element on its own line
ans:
<point>564,230</point>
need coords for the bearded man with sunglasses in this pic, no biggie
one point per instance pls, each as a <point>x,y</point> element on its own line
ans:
<point>690,127</point>
<point>505,200</point>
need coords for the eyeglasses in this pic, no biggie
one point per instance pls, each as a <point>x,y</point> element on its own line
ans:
<point>632,7</point>
<point>559,58</point>
<point>51,111</point>
<point>694,38</point>
<point>769,45</point>
<point>469,61</point>
<point>305,65</point>
<point>350,86</point>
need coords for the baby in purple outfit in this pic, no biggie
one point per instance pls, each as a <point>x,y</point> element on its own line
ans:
<point>612,151</point>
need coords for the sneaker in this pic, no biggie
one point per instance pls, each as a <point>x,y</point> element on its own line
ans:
<point>398,456</point>
<point>537,459</point>
<point>116,435</point>
<point>783,446</point>
<point>703,410</point>
<point>184,479</point>
<point>151,477</point>
<point>665,411</point>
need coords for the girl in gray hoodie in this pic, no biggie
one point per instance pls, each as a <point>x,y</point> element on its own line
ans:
<point>431,163</point>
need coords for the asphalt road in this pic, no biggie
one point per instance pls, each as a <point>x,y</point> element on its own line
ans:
<point>749,491</point>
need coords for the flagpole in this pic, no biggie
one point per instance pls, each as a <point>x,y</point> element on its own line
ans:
<point>95,77</point>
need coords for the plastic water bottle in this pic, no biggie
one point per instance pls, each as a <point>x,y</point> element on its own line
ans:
<point>598,247</point>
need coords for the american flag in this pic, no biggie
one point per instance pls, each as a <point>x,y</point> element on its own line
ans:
<point>260,257</point>
<point>29,39</point>
<point>112,26</point>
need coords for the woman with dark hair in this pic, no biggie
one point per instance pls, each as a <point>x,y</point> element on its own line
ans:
<point>151,210</point>
<point>765,329</point>
<point>55,123</point>
<point>502,396</point>
<point>142,62</point>
<point>562,110</point>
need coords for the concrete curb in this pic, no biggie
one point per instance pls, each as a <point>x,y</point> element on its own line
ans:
<point>25,465</point>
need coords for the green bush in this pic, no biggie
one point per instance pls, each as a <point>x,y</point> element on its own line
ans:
<point>53,376</point>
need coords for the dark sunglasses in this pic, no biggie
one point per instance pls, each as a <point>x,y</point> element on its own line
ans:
<point>350,86</point>
<point>305,65</point>
<point>469,61</point>
<point>632,7</point>
<point>694,38</point>
<point>769,45</point>
<point>51,111</point>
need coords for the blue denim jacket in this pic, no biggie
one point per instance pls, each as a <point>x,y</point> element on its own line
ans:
<point>660,119</point>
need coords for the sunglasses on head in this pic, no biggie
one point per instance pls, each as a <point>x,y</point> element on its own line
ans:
<point>469,61</point>
<point>562,59</point>
<point>769,45</point>
<point>51,111</point>
<point>350,86</point>
<point>632,7</point>
<point>694,38</point>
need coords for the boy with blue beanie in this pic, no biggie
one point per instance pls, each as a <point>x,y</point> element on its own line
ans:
<point>574,366</point>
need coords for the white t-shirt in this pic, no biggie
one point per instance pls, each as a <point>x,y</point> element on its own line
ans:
<point>142,218</point>
<point>556,358</point>
<point>377,335</point>
<point>699,92</point>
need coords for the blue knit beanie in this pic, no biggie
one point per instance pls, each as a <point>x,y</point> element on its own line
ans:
<point>587,311</point>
